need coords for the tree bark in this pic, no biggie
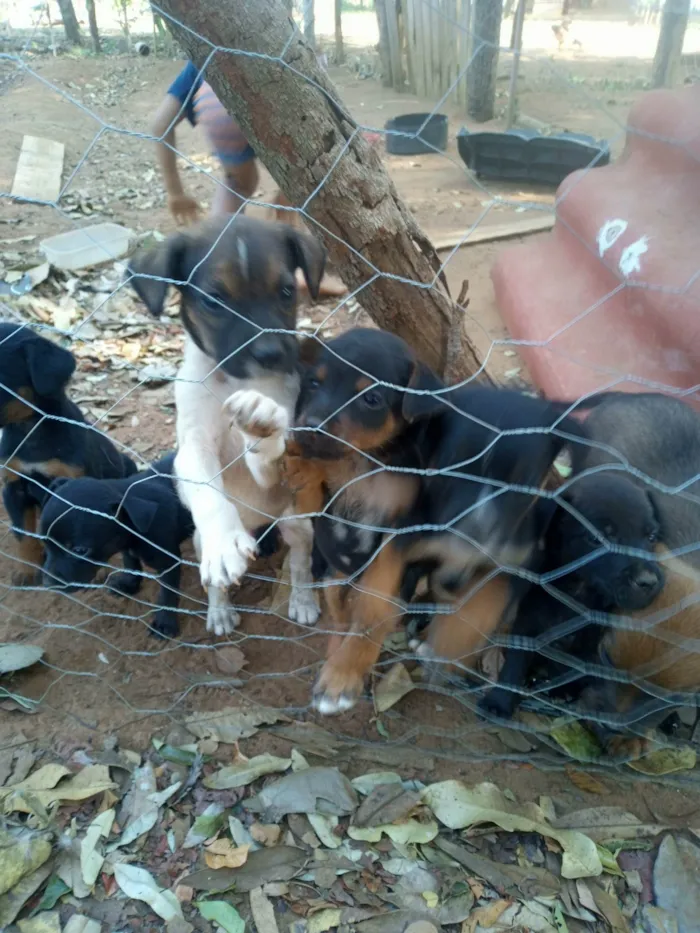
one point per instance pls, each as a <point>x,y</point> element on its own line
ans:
<point>70,22</point>
<point>339,50</point>
<point>481,80</point>
<point>314,150</point>
<point>674,21</point>
<point>92,20</point>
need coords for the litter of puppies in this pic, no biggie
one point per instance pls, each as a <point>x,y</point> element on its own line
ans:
<point>403,501</point>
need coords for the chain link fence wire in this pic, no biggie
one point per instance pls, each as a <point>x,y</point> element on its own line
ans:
<point>102,671</point>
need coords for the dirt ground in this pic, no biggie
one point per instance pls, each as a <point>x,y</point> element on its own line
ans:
<point>102,674</point>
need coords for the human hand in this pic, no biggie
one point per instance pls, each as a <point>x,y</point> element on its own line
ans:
<point>184,209</point>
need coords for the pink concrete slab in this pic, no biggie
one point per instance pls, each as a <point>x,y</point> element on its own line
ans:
<point>597,305</point>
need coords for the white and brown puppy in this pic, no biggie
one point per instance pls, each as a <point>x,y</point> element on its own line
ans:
<point>235,391</point>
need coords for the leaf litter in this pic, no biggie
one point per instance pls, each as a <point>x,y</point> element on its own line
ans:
<point>283,845</point>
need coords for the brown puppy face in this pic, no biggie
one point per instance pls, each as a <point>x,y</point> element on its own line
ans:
<point>238,287</point>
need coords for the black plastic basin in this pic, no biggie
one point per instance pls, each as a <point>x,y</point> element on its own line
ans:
<point>526,155</point>
<point>410,134</point>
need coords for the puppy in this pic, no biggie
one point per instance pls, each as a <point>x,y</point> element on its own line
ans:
<point>651,664</point>
<point>236,390</point>
<point>659,437</point>
<point>44,436</point>
<point>355,470</point>
<point>468,495</point>
<point>597,511</point>
<point>85,522</point>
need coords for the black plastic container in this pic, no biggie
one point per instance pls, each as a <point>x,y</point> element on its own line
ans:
<point>432,136</point>
<point>526,155</point>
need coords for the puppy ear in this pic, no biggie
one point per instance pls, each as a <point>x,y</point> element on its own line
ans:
<point>52,490</point>
<point>50,366</point>
<point>140,511</point>
<point>151,268</point>
<point>422,406</point>
<point>309,255</point>
<point>308,351</point>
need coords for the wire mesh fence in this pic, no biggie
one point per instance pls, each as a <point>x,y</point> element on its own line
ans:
<point>539,550</point>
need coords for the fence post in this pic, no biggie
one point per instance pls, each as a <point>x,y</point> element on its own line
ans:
<point>674,21</point>
<point>481,90</point>
<point>516,44</point>
<point>310,22</point>
<point>339,50</point>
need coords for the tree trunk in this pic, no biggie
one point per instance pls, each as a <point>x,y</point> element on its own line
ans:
<point>481,80</point>
<point>92,20</point>
<point>313,149</point>
<point>339,50</point>
<point>674,22</point>
<point>384,55</point>
<point>70,22</point>
<point>310,22</point>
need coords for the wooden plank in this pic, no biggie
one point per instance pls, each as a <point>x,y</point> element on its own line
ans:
<point>416,42</point>
<point>39,169</point>
<point>427,46</point>
<point>395,47</point>
<point>485,234</point>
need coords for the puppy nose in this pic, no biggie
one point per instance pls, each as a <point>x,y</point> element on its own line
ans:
<point>646,580</point>
<point>269,352</point>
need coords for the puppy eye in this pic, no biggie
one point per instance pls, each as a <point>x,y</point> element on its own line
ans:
<point>81,550</point>
<point>212,303</point>
<point>653,535</point>
<point>287,292</point>
<point>312,383</point>
<point>372,399</point>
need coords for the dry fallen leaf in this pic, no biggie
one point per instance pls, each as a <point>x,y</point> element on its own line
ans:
<point>392,687</point>
<point>587,782</point>
<point>485,916</point>
<point>223,854</point>
<point>266,834</point>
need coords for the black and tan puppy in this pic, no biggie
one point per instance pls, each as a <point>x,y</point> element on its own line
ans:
<point>590,566</point>
<point>487,452</point>
<point>359,455</point>
<point>44,436</point>
<point>85,522</point>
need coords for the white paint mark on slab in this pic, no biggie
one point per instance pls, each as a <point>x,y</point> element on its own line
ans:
<point>629,260</point>
<point>610,233</point>
<point>39,169</point>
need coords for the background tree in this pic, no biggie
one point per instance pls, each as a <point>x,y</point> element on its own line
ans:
<point>674,22</point>
<point>70,22</point>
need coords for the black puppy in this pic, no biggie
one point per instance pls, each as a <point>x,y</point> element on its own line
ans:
<point>85,522</point>
<point>659,436</point>
<point>491,452</point>
<point>616,514</point>
<point>44,435</point>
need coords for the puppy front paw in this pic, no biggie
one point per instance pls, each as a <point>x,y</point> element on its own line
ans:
<point>225,560</point>
<point>303,606</point>
<point>126,584</point>
<point>337,689</point>
<point>256,415</point>
<point>165,624</point>
<point>222,619</point>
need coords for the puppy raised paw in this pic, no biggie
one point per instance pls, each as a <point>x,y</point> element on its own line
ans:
<point>255,415</point>
<point>225,557</point>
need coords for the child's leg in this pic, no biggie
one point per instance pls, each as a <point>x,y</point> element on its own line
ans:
<point>230,146</point>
